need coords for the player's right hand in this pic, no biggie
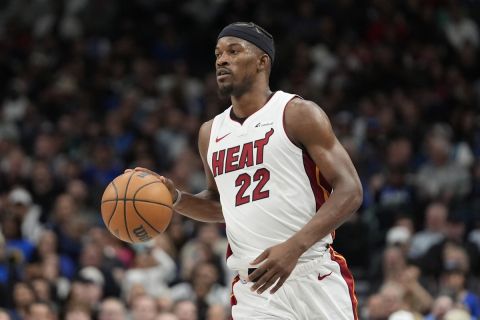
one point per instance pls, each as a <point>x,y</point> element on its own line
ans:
<point>167,182</point>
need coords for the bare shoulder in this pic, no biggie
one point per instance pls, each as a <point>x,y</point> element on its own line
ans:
<point>204,137</point>
<point>305,120</point>
<point>206,127</point>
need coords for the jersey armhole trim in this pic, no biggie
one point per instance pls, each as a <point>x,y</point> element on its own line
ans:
<point>292,145</point>
<point>211,139</point>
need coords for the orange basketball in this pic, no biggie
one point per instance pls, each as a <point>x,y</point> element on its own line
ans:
<point>136,206</point>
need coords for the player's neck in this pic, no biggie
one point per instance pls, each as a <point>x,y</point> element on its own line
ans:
<point>251,101</point>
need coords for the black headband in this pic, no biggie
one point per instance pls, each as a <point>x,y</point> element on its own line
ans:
<point>252,33</point>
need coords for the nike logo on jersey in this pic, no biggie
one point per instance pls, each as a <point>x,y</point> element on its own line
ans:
<point>320,277</point>
<point>218,139</point>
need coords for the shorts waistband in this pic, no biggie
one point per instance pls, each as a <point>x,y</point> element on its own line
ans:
<point>299,270</point>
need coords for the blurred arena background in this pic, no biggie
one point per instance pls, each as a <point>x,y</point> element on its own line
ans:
<point>91,87</point>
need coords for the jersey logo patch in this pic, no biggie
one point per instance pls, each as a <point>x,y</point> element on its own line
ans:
<point>258,125</point>
<point>218,139</point>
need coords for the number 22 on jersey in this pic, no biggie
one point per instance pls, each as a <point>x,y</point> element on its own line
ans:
<point>244,181</point>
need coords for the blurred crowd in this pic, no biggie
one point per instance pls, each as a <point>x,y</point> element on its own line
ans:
<point>89,88</point>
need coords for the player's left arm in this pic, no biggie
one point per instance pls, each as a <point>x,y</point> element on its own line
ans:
<point>308,126</point>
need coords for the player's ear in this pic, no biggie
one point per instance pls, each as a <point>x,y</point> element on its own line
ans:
<point>263,62</point>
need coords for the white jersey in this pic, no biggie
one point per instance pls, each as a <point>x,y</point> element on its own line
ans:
<point>269,188</point>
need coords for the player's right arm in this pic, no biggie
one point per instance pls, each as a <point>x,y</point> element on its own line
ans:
<point>204,206</point>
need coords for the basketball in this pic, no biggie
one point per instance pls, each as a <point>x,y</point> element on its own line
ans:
<point>136,206</point>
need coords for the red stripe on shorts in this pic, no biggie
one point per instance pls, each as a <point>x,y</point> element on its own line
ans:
<point>233,300</point>
<point>229,251</point>
<point>347,276</point>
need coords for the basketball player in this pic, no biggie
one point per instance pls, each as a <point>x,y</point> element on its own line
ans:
<point>282,183</point>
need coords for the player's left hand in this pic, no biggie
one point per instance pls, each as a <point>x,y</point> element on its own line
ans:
<point>278,263</point>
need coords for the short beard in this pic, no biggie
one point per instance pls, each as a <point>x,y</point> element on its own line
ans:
<point>227,91</point>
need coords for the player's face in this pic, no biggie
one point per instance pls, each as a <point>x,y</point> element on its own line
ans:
<point>236,66</point>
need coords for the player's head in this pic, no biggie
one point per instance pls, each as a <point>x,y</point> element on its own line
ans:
<point>244,54</point>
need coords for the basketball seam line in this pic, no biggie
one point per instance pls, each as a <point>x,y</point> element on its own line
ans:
<point>141,217</point>
<point>135,207</point>
<point>125,206</point>
<point>116,202</point>
<point>140,200</point>
<point>145,185</point>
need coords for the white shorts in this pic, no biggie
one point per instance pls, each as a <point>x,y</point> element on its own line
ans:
<point>320,289</point>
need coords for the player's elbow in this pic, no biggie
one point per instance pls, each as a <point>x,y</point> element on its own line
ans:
<point>356,197</point>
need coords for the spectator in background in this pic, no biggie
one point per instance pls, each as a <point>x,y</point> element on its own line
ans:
<point>112,309</point>
<point>22,206</point>
<point>397,244</point>
<point>402,315</point>
<point>406,277</point>
<point>49,269</point>
<point>11,228</point>
<point>43,290</point>
<point>434,231</point>
<point>458,314</point>
<point>216,312</point>
<point>185,310</point>
<point>9,273</point>
<point>77,312</point>
<point>48,246</point>
<point>46,145</point>
<point>15,167</point>
<point>94,255</point>
<point>394,264</point>
<point>166,316</point>
<point>117,253</point>
<point>178,232</point>
<point>44,188</point>
<point>440,177</point>
<point>395,195</point>
<point>41,311</point>
<point>437,257</point>
<point>399,236</point>
<point>185,170</point>
<point>454,284</point>
<point>23,297</point>
<point>203,288</point>
<point>474,198</point>
<point>87,289</point>
<point>417,298</point>
<point>4,315</point>
<point>392,297</point>
<point>474,235</point>
<point>119,136</point>
<point>106,252</point>
<point>153,269</point>
<point>103,168</point>
<point>80,194</point>
<point>65,213</point>
<point>441,306</point>
<point>376,308</point>
<point>405,221</point>
<point>460,29</point>
<point>144,308</point>
<point>209,246</point>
